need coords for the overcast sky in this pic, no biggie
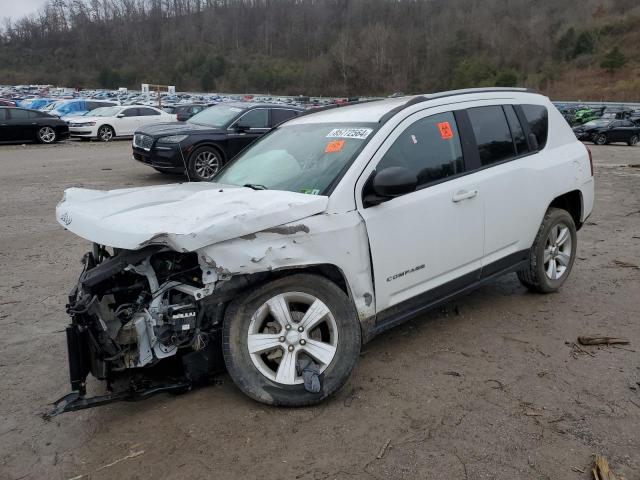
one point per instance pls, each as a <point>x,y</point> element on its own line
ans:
<point>18,8</point>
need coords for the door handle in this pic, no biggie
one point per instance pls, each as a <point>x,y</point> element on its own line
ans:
<point>464,195</point>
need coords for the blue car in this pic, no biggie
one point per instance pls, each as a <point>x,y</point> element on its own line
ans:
<point>77,107</point>
<point>36,103</point>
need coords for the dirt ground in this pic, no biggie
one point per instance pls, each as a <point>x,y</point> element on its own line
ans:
<point>489,387</point>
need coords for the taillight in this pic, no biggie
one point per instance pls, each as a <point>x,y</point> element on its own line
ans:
<point>590,160</point>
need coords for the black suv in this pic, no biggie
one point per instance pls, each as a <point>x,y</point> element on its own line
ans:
<point>204,143</point>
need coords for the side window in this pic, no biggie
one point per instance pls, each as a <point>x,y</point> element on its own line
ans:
<point>430,148</point>
<point>3,114</point>
<point>519,139</point>
<point>33,114</point>
<point>258,118</point>
<point>279,115</point>
<point>146,112</point>
<point>492,133</point>
<point>131,112</point>
<point>538,119</point>
<point>17,114</point>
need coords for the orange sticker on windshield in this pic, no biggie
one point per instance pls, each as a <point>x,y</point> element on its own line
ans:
<point>335,146</point>
<point>445,130</point>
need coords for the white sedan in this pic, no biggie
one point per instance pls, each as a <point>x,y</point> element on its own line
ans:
<point>106,123</point>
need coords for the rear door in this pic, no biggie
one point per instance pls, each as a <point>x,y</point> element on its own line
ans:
<point>281,115</point>
<point>505,172</point>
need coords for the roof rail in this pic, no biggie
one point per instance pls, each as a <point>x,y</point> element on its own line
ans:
<point>450,93</point>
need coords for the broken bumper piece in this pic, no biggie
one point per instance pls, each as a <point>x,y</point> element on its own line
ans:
<point>77,401</point>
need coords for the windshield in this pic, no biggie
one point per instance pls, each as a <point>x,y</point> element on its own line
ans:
<point>104,112</point>
<point>596,123</point>
<point>218,116</point>
<point>298,158</point>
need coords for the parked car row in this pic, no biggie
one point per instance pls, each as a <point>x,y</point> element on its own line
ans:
<point>603,131</point>
<point>577,115</point>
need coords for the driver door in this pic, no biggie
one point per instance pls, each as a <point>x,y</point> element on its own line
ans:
<point>429,241</point>
<point>129,121</point>
<point>250,126</point>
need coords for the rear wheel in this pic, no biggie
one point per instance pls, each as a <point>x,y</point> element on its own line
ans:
<point>601,139</point>
<point>47,135</point>
<point>287,330</point>
<point>106,133</point>
<point>633,141</point>
<point>552,254</point>
<point>204,164</point>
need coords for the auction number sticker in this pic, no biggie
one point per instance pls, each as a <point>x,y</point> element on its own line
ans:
<point>334,146</point>
<point>358,133</point>
<point>445,130</point>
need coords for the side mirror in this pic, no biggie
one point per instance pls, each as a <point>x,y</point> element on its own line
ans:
<point>533,141</point>
<point>389,183</point>
<point>120,115</point>
<point>242,128</point>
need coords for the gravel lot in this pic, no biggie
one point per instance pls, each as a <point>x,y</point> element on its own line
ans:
<point>485,388</point>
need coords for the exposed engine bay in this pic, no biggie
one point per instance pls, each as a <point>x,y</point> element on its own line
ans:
<point>132,309</point>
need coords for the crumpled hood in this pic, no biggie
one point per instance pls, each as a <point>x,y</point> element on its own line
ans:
<point>185,216</point>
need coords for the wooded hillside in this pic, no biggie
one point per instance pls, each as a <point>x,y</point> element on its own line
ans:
<point>571,49</point>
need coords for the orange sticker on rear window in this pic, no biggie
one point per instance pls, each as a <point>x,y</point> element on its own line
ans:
<point>445,130</point>
<point>335,146</point>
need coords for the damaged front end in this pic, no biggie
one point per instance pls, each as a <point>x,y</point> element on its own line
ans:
<point>132,309</point>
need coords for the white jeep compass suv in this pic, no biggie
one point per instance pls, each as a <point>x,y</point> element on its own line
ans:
<point>335,226</point>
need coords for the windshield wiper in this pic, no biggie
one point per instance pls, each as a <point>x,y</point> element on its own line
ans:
<point>255,186</point>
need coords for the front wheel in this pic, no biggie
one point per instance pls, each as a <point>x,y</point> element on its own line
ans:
<point>106,133</point>
<point>600,139</point>
<point>204,164</point>
<point>46,135</point>
<point>633,141</point>
<point>292,341</point>
<point>552,254</point>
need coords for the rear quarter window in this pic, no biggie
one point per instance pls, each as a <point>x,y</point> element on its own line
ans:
<point>538,119</point>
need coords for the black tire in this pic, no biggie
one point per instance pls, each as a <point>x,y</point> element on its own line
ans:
<point>204,163</point>
<point>106,133</point>
<point>535,277</point>
<point>47,135</point>
<point>600,139</point>
<point>235,344</point>
<point>633,141</point>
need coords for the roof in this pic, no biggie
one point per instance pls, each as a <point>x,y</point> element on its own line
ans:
<point>380,110</point>
<point>247,105</point>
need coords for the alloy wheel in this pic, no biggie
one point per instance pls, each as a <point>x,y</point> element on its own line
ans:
<point>557,251</point>
<point>288,329</point>
<point>633,140</point>
<point>206,165</point>
<point>601,139</point>
<point>105,134</point>
<point>47,134</point>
